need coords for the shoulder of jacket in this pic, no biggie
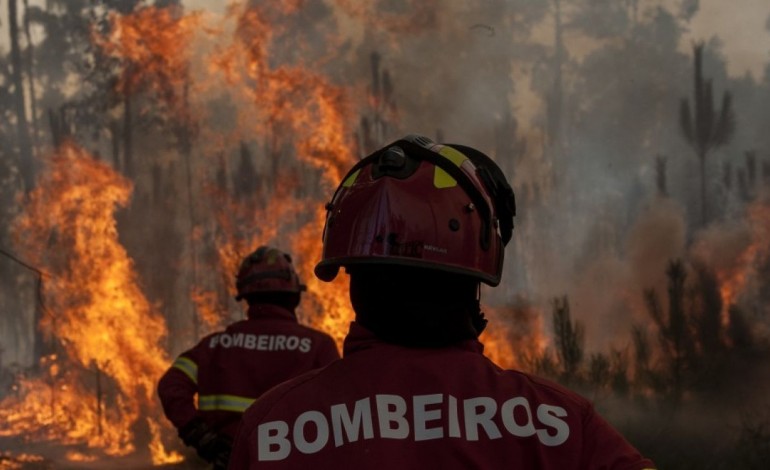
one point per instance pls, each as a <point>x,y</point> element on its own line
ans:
<point>552,388</point>
<point>315,332</point>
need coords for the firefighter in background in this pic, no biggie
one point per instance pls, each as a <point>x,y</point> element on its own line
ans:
<point>418,226</point>
<point>228,370</point>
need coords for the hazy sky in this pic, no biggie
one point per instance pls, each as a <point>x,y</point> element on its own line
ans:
<point>741,24</point>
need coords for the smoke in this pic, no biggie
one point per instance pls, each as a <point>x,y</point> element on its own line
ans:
<point>283,97</point>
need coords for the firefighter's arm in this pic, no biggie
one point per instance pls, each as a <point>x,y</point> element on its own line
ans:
<point>210,445</point>
<point>177,389</point>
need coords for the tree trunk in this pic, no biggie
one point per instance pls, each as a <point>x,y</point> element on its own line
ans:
<point>703,206</point>
<point>31,79</point>
<point>26,165</point>
<point>128,131</point>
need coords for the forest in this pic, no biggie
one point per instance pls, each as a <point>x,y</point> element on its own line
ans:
<point>147,146</point>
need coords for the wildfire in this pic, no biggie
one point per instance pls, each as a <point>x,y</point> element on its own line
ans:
<point>98,388</point>
<point>152,45</point>
<point>306,122</point>
<point>13,462</point>
<point>513,338</point>
<point>736,254</point>
<point>109,337</point>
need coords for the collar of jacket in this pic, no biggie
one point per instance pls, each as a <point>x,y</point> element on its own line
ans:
<point>359,338</point>
<point>259,311</point>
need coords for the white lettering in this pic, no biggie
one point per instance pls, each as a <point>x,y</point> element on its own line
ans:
<point>354,422</point>
<point>422,416</point>
<point>261,342</point>
<point>390,411</point>
<point>454,423</point>
<point>322,432</point>
<point>474,418</point>
<point>509,420</point>
<point>362,416</point>
<point>547,414</point>
<point>273,434</point>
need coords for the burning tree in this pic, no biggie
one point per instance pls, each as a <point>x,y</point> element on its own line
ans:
<point>102,322</point>
<point>569,337</point>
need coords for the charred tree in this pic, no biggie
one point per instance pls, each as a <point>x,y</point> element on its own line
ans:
<point>708,316</point>
<point>114,128</point>
<point>128,136</point>
<point>375,126</point>
<point>26,164</point>
<point>245,178</point>
<point>705,127</point>
<point>751,166</point>
<point>569,338</point>
<point>598,370</point>
<point>619,372</point>
<point>727,176</point>
<point>672,326</point>
<point>509,147</point>
<point>739,330</point>
<point>31,78</point>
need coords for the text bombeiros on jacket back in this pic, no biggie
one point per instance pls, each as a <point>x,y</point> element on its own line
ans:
<point>261,342</point>
<point>419,418</point>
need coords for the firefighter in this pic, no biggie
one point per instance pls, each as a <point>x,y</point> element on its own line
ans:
<point>417,227</point>
<point>229,369</point>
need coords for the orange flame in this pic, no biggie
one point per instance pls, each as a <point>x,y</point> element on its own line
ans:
<point>315,119</point>
<point>513,338</point>
<point>102,321</point>
<point>736,260</point>
<point>152,45</point>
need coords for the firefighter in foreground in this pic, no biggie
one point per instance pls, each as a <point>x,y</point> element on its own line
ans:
<point>417,226</point>
<point>228,370</point>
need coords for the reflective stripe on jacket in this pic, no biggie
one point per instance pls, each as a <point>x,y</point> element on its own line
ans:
<point>229,369</point>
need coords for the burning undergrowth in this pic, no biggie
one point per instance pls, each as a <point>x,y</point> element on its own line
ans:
<point>235,146</point>
<point>98,382</point>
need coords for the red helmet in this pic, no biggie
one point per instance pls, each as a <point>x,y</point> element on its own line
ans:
<point>418,203</point>
<point>267,270</point>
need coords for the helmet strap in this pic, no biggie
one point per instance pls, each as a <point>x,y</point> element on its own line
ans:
<point>478,321</point>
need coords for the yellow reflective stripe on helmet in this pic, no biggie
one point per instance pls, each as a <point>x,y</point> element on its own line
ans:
<point>351,179</point>
<point>453,155</point>
<point>224,403</point>
<point>441,178</point>
<point>188,366</point>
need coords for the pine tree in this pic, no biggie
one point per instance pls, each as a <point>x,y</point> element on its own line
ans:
<point>705,127</point>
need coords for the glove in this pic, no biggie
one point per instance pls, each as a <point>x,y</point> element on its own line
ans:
<point>210,445</point>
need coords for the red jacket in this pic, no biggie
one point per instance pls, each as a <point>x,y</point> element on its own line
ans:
<point>385,406</point>
<point>228,370</point>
